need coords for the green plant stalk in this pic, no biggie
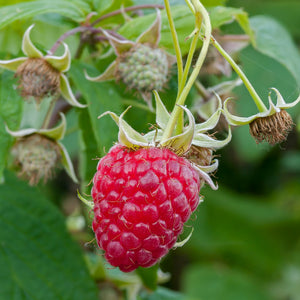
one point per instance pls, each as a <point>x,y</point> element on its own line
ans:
<point>180,120</point>
<point>200,12</point>
<point>175,41</point>
<point>49,113</point>
<point>257,100</point>
<point>196,34</point>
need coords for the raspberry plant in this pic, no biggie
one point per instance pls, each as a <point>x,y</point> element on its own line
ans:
<point>118,118</point>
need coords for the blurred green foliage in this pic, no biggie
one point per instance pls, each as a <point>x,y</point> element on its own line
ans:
<point>246,240</point>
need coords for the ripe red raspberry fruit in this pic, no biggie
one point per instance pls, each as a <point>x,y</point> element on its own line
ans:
<point>141,200</point>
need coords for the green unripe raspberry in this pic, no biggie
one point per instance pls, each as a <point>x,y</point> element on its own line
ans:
<point>144,68</point>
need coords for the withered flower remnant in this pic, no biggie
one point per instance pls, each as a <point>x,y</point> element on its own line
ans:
<point>41,76</point>
<point>272,125</point>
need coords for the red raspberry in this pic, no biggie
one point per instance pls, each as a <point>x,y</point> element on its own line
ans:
<point>141,200</point>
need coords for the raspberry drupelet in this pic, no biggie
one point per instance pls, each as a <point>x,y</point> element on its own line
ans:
<point>142,198</point>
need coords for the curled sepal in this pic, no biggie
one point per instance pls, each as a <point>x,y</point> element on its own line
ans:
<point>181,143</point>
<point>213,120</point>
<point>205,141</point>
<point>60,63</point>
<point>85,201</point>
<point>205,177</point>
<point>119,45</point>
<point>27,46</point>
<point>127,135</point>
<point>152,34</point>
<point>56,133</point>
<point>12,64</point>
<point>109,73</point>
<point>280,101</point>
<point>273,109</point>
<point>182,243</point>
<point>67,93</point>
<point>211,168</point>
<point>162,115</point>
<point>238,121</point>
<point>67,163</point>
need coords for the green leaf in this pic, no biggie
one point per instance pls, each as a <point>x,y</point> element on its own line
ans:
<point>184,22</point>
<point>38,258</point>
<point>97,136</point>
<point>255,243</point>
<point>209,282</point>
<point>148,276</point>
<point>75,10</point>
<point>165,294</point>
<point>10,113</point>
<point>273,40</point>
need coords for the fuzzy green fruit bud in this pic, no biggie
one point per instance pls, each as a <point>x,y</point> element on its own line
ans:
<point>37,157</point>
<point>143,68</point>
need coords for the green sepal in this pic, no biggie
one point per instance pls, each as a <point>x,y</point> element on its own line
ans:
<point>127,135</point>
<point>205,177</point>
<point>56,133</point>
<point>85,201</point>
<point>182,243</point>
<point>162,115</point>
<point>281,104</point>
<point>27,46</point>
<point>181,143</point>
<point>120,46</point>
<point>12,64</point>
<point>67,93</point>
<point>203,140</point>
<point>152,34</point>
<point>66,162</point>
<point>60,63</point>
<point>213,120</point>
<point>109,73</point>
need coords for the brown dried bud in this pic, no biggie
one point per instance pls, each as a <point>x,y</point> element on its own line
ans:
<point>272,129</point>
<point>37,157</point>
<point>199,155</point>
<point>38,79</point>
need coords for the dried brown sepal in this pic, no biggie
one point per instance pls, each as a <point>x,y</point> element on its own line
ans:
<point>38,79</point>
<point>199,155</point>
<point>37,157</point>
<point>272,129</point>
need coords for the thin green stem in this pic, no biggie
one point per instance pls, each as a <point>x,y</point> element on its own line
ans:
<point>189,60</point>
<point>49,114</point>
<point>175,41</point>
<point>258,102</point>
<point>201,89</point>
<point>200,12</point>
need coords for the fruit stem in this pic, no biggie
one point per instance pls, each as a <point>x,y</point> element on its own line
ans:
<point>49,113</point>
<point>200,12</point>
<point>257,100</point>
<point>175,41</point>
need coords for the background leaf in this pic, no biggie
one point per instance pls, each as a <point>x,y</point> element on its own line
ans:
<point>273,39</point>
<point>184,22</point>
<point>97,136</point>
<point>38,258</point>
<point>208,282</point>
<point>10,114</point>
<point>75,10</point>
